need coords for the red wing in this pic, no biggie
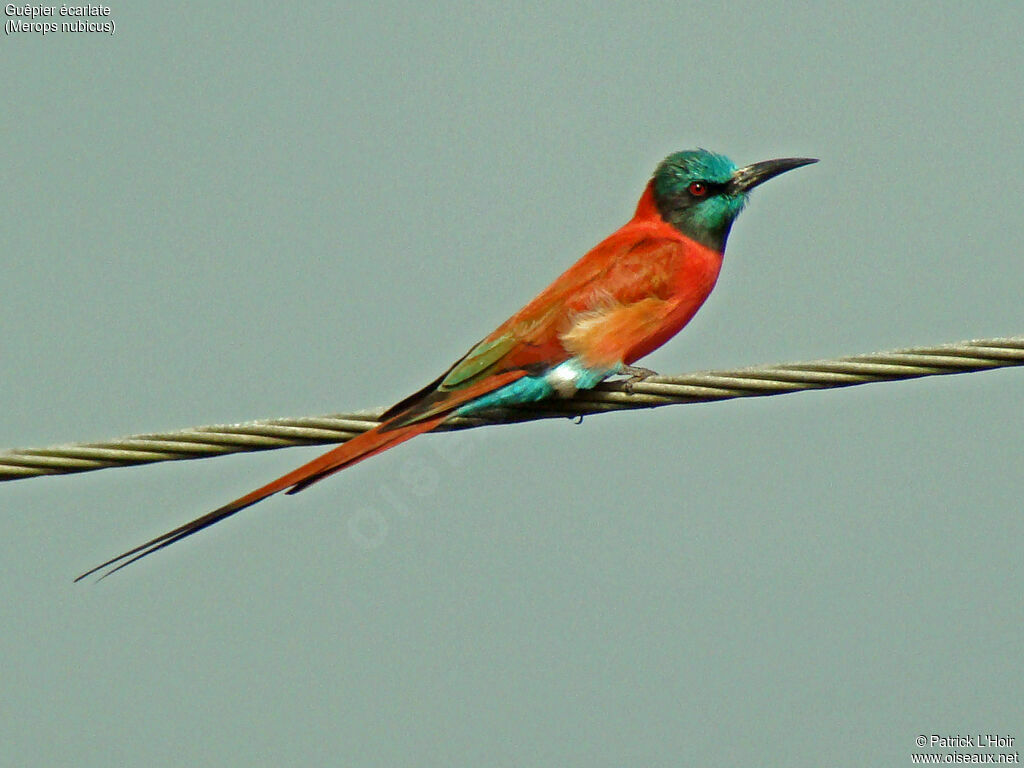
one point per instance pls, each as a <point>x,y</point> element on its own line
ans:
<point>623,276</point>
<point>628,271</point>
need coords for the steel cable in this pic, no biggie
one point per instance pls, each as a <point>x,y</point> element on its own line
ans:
<point>654,392</point>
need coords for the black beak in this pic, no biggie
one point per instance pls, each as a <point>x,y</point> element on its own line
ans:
<point>745,179</point>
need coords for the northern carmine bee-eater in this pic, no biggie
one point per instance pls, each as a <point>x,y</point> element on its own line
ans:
<point>626,297</point>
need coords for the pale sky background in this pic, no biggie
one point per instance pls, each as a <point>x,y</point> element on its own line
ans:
<point>227,212</point>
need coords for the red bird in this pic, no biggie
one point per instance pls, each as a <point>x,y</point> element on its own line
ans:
<point>626,297</point>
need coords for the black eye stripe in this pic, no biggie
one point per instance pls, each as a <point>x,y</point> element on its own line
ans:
<point>711,188</point>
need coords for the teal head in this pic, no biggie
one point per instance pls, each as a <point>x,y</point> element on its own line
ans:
<point>701,193</point>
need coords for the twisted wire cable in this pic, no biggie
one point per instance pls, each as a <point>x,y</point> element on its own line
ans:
<point>653,392</point>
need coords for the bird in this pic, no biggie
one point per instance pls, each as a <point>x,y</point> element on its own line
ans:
<point>623,299</point>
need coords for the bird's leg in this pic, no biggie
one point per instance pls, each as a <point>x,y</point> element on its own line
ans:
<point>635,373</point>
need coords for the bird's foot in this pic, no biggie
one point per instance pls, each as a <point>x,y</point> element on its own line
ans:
<point>635,373</point>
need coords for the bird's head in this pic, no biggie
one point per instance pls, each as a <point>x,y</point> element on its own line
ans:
<point>701,193</point>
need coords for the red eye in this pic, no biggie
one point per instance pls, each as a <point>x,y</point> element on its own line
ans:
<point>698,188</point>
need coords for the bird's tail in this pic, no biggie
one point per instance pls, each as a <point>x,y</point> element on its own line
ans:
<point>355,450</point>
<point>404,423</point>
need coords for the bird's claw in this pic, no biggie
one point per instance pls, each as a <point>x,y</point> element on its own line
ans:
<point>635,373</point>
